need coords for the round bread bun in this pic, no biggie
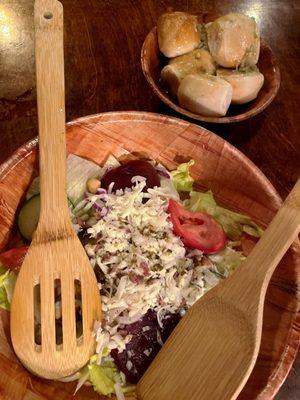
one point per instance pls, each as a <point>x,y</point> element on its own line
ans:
<point>245,85</point>
<point>172,75</point>
<point>177,33</point>
<point>198,61</point>
<point>233,39</point>
<point>205,94</point>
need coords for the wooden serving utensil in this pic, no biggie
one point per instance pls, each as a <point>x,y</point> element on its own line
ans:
<point>55,251</point>
<point>212,351</point>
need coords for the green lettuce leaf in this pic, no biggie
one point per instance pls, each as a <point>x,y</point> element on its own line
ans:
<point>203,202</point>
<point>227,260</point>
<point>102,378</point>
<point>234,224</point>
<point>7,284</point>
<point>79,170</point>
<point>181,177</point>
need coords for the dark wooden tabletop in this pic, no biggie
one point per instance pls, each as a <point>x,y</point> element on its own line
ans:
<point>103,40</point>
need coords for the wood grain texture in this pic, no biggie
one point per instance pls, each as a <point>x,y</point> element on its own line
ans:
<point>153,61</point>
<point>103,41</point>
<point>237,183</point>
<point>49,56</point>
<point>221,333</point>
<point>55,251</point>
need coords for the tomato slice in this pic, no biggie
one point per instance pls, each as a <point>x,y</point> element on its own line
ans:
<point>197,230</point>
<point>14,258</point>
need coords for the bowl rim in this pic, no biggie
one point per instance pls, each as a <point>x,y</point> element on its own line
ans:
<point>219,120</point>
<point>285,362</point>
<point>108,116</point>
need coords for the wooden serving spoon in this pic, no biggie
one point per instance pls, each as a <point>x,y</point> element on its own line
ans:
<point>55,251</point>
<point>211,353</point>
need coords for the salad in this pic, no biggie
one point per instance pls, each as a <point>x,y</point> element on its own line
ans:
<point>156,246</point>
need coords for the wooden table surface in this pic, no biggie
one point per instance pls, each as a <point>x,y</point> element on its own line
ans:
<point>103,39</point>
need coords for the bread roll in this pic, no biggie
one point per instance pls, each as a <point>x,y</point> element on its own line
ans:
<point>177,33</point>
<point>245,85</point>
<point>198,61</point>
<point>205,94</point>
<point>233,39</point>
<point>172,75</point>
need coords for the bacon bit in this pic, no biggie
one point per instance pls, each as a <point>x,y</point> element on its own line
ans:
<point>205,262</point>
<point>97,247</point>
<point>123,332</point>
<point>161,302</point>
<point>135,278</point>
<point>113,269</point>
<point>145,268</point>
<point>106,257</point>
<point>183,303</point>
<point>80,221</point>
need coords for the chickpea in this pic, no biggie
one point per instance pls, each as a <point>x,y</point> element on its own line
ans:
<point>93,185</point>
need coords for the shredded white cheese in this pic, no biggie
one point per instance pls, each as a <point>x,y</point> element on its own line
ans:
<point>139,261</point>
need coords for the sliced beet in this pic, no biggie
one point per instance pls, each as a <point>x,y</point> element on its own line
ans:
<point>134,360</point>
<point>123,174</point>
<point>169,322</point>
<point>144,345</point>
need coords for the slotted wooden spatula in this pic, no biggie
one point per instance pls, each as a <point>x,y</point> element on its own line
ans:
<point>55,251</point>
<point>212,351</point>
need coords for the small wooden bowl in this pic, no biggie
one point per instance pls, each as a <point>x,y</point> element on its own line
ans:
<point>153,61</point>
<point>237,184</point>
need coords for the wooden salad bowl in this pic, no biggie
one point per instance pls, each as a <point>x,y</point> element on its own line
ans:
<point>236,182</point>
<point>153,61</point>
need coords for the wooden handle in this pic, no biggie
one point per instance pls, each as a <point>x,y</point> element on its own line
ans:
<point>48,18</point>
<point>267,253</point>
<point>278,237</point>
